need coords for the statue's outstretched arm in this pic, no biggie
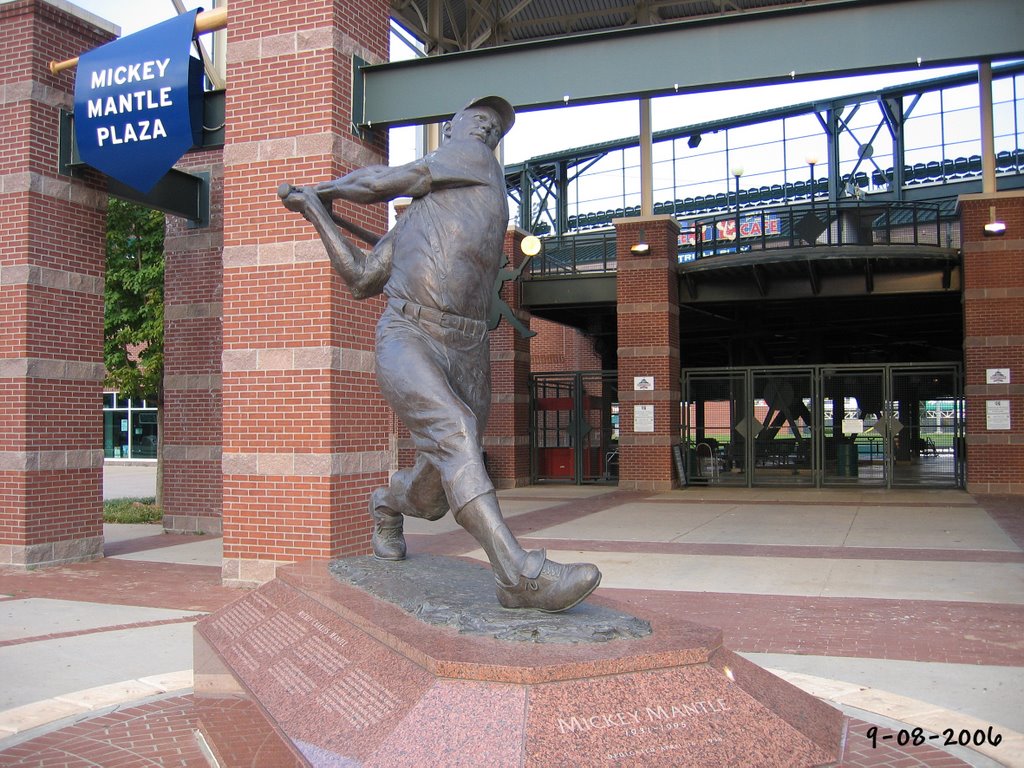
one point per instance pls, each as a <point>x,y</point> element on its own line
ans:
<point>364,273</point>
<point>378,183</point>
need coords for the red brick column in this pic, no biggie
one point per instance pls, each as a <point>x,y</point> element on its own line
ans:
<point>507,440</point>
<point>51,302</point>
<point>191,406</point>
<point>647,295</point>
<point>305,431</point>
<point>994,338</point>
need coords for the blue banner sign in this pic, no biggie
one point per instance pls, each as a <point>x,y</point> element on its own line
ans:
<point>139,102</point>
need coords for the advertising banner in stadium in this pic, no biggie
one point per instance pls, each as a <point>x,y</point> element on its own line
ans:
<point>725,229</point>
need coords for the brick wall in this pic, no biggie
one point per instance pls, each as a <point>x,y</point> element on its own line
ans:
<point>305,431</point>
<point>647,295</point>
<point>193,309</point>
<point>51,301</point>
<point>558,347</point>
<point>994,338</point>
<point>507,439</point>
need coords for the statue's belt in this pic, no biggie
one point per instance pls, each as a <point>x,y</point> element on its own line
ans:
<point>444,319</point>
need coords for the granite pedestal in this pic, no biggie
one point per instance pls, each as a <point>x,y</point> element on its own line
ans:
<point>314,668</point>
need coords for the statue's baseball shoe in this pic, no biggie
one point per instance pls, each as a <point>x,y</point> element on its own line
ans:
<point>555,588</point>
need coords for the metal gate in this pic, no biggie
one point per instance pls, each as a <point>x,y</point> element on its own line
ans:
<point>574,428</point>
<point>716,417</point>
<point>927,424</point>
<point>782,426</point>
<point>851,425</point>
<point>856,435</point>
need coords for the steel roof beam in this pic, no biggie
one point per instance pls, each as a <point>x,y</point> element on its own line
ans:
<point>801,43</point>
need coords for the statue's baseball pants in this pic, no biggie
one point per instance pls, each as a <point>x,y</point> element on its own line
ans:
<point>434,370</point>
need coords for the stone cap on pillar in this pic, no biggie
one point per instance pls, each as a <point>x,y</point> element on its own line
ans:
<point>86,16</point>
<point>657,218</point>
<point>658,234</point>
<point>987,196</point>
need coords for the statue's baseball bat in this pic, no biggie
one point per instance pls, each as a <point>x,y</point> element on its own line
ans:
<point>363,234</point>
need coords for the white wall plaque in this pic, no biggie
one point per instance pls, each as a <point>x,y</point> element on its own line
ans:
<point>997,375</point>
<point>853,426</point>
<point>643,418</point>
<point>997,414</point>
<point>643,383</point>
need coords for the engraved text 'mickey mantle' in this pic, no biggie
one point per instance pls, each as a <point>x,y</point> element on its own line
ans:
<point>658,713</point>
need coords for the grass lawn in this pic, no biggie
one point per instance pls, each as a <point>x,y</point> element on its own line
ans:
<point>139,510</point>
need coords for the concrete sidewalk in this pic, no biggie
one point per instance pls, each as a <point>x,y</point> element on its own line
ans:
<point>129,481</point>
<point>903,608</point>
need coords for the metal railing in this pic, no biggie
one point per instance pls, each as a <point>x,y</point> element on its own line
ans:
<point>853,223</point>
<point>593,252</point>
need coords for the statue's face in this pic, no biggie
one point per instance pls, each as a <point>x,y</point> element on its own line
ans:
<point>479,123</point>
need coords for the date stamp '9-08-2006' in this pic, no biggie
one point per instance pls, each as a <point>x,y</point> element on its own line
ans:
<point>950,737</point>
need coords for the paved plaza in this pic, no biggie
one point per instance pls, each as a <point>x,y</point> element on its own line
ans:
<point>905,609</point>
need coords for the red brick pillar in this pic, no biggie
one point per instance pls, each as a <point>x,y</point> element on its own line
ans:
<point>647,296</point>
<point>305,431</point>
<point>191,406</point>
<point>507,440</point>
<point>51,301</point>
<point>994,340</point>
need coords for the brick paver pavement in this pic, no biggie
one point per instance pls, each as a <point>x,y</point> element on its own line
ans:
<point>161,732</point>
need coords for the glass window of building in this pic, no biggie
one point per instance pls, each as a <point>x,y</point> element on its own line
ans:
<point>129,427</point>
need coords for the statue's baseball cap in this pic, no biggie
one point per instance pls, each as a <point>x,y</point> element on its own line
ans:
<point>502,108</point>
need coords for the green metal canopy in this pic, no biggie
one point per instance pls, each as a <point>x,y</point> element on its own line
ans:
<point>601,51</point>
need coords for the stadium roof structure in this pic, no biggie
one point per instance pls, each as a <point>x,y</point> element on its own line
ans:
<point>542,54</point>
<point>447,26</point>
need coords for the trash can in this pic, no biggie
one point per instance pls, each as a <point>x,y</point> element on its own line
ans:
<point>846,459</point>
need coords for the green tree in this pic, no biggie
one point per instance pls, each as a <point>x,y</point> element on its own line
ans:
<point>133,351</point>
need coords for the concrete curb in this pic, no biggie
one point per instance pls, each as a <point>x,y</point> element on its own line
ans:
<point>39,713</point>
